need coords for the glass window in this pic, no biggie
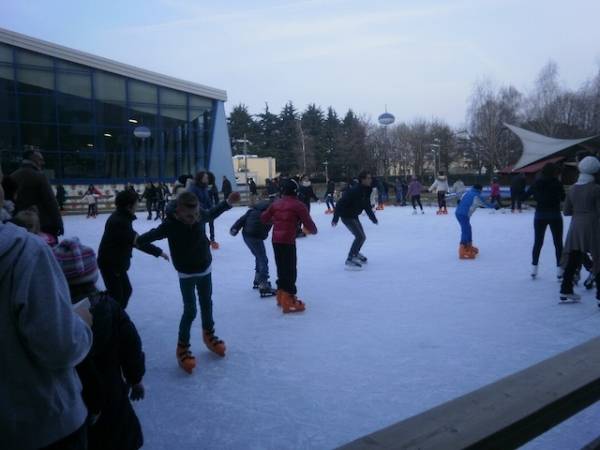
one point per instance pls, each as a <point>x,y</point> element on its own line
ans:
<point>76,138</point>
<point>8,139</point>
<point>35,136</point>
<point>6,53</point>
<point>73,109</point>
<point>170,97</point>
<point>112,152</point>
<point>75,84</point>
<point>140,92</point>
<point>145,155</point>
<point>37,108</point>
<point>6,77</point>
<point>52,165</point>
<point>10,160</point>
<point>111,114</point>
<point>143,115</point>
<point>109,87</point>
<point>173,144</point>
<point>78,152</point>
<point>200,102</point>
<point>8,106</point>
<point>33,59</point>
<point>35,81</point>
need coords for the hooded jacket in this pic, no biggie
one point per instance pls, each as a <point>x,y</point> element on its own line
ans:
<point>41,342</point>
<point>284,214</point>
<point>251,224</point>
<point>353,202</point>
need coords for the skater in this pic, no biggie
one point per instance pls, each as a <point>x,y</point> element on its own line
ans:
<point>582,203</point>
<point>200,188</point>
<point>330,196</point>
<point>272,188</point>
<point>112,371</point>
<point>400,193</point>
<point>517,189</point>
<point>548,193</point>
<point>305,195</point>
<point>495,197</point>
<point>468,204</point>
<point>284,214</point>
<point>150,196</point>
<point>253,191</point>
<point>254,233</point>
<point>61,196</point>
<point>440,186</point>
<point>190,252</point>
<point>414,191</point>
<point>226,187</point>
<point>378,183</point>
<point>118,240</point>
<point>91,199</point>
<point>349,207</point>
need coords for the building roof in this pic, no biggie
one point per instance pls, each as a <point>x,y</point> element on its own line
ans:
<point>98,62</point>
<point>532,168</point>
<point>537,146</point>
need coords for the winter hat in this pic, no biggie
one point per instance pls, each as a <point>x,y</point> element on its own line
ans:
<point>589,165</point>
<point>289,187</point>
<point>77,261</point>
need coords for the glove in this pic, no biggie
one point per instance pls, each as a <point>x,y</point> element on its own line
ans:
<point>233,232</point>
<point>376,221</point>
<point>137,392</point>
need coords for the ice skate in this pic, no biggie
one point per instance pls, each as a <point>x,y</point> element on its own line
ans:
<point>589,281</point>
<point>438,212</point>
<point>465,253</point>
<point>185,359</point>
<point>214,245</point>
<point>473,249</point>
<point>213,343</point>
<point>534,271</point>
<point>290,303</point>
<point>255,285</point>
<point>362,258</point>
<point>422,212</point>
<point>444,210</point>
<point>265,290</point>
<point>353,264</point>
<point>569,297</point>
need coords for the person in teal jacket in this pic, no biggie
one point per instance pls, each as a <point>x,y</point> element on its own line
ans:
<point>467,206</point>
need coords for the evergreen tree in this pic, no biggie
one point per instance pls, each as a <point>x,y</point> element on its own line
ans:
<point>331,144</point>
<point>289,145</point>
<point>242,124</point>
<point>313,128</point>
<point>268,134</point>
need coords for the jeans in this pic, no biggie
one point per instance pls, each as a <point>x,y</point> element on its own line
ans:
<point>261,265</point>
<point>416,199</point>
<point>204,287</point>
<point>285,259</point>
<point>539,227</point>
<point>353,224</point>
<point>466,234</point>
<point>118,285</point>
<point>329,201</point>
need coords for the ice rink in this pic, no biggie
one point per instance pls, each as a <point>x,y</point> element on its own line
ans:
<point>415,328</point>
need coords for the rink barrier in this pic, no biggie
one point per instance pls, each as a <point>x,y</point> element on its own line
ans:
<point>505,414</point>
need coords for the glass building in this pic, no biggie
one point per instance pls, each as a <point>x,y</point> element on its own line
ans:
<point>97,120</point>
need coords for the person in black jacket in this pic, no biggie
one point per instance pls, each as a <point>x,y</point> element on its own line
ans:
<point>114,253</point>
<point>254,233</point>
<point>253,190</point>
<point>226,188</point>
<point>548,192</point>
<point>150,196</point>
<point>190,251</point>
<point>113,370</point>
<point>517,190</point>
<point>353,202</point>
<point>329,196</point>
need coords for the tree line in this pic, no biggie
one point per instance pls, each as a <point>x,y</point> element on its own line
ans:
<point>320,141</point>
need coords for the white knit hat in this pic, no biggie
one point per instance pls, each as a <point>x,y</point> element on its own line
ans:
<point>589,165</point>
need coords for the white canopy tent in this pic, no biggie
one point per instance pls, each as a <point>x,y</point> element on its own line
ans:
<point>537,146</point>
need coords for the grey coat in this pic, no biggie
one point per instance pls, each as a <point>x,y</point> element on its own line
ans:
<point>583,204</point>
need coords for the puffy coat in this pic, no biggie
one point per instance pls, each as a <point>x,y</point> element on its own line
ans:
<point>284,214</point>
<point>353,202</point>
<point>470,202</point>
<point>440,184</point>
<point>250,222</point>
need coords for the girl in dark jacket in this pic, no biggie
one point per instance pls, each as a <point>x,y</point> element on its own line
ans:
<point>548,192</point>
<point>201,188</point>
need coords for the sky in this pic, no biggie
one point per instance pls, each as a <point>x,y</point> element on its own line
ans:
<point>421,58</point>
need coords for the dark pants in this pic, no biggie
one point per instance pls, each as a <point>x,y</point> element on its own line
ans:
<point>211,229</point>
<point>496,199</point>
<point>285,259</point>
<point>261,262</point>
<point>539,227</point>
<point>149,207</point>
<point>203,285</point>
<point>329,201</point>
<point>75,441</point>
<point>515,199</point>
<point>353,224</point>
<point>90,210</point>
<point>574,261</point>
<point>160,208</point>
<point>118,285</point>
<point>416,199</point>
<point>441,198</point>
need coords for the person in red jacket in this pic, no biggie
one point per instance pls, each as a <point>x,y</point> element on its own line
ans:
<point>284,214</point>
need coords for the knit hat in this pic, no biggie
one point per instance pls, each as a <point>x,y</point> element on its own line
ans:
<point>589,165</point>
<point>77,261</point>
<point>289,187</point>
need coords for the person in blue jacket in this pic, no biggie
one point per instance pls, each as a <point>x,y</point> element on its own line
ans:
<point>467,206</point>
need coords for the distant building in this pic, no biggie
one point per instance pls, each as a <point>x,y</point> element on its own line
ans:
<point>251,166</point>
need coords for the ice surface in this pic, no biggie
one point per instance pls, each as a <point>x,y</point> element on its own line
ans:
<point>416,328</point>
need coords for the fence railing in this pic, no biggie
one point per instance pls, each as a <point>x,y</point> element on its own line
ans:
<point>505,414</point>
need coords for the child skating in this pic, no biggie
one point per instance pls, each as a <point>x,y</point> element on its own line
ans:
<point>284,214</point>
<point>440,187</point>
<point>190,252</point>
<point>414,191</point>
<point>467,206</point>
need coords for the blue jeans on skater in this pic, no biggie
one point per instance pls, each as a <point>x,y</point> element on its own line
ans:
<point>466,235</point>
<point>188,286</point>
<point>261,266</point>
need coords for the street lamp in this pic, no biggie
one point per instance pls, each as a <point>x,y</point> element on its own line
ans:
<point>435,148</point>
<point>245,142</point>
